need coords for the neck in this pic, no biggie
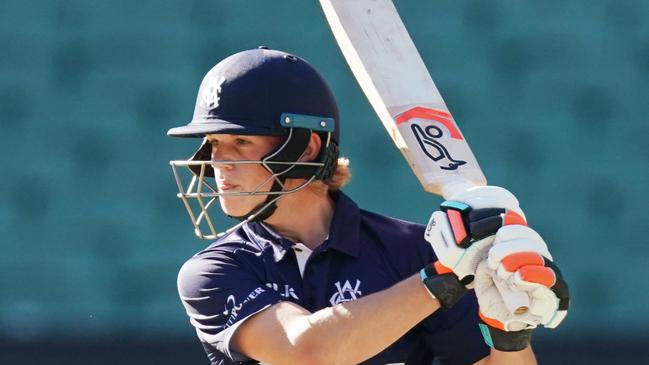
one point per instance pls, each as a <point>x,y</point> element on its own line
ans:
<point>303,216</point>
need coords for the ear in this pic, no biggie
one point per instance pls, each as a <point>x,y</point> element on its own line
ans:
<point>312,149</point>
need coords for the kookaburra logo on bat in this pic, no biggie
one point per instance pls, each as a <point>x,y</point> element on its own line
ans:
<point>426,137</point>
<point>428,133</point>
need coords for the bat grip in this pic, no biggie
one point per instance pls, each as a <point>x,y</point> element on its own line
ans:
<point>517,302</point>
<point>457,186</point>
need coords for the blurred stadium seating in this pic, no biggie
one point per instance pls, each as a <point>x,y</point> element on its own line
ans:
<point>552,96</point>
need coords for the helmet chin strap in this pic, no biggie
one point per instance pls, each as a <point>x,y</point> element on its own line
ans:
<point>264,210</point>
<point>291,150</point>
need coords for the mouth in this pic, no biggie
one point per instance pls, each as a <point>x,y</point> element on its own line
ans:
<point>224,186</point>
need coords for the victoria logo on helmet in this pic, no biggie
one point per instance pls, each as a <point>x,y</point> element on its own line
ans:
<point>210,98</point>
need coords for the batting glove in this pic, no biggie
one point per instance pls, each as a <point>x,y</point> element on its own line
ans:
<point>463,231</point>
<point>519,260</point>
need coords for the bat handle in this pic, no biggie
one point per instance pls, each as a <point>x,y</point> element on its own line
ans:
<point>457,186</point>
<point>517,302</point>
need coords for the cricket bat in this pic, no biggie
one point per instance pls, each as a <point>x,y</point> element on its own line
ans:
<point>389,69</point>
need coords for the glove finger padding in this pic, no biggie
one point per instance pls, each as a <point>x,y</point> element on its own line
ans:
<point>520,260</point>
<point>549,293</point>
<point>500,328</point>
<point>462,232</point>
<point>516,238</point>
<point>492,304</point>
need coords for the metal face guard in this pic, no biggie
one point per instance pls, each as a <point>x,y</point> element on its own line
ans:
<point>203,190</point>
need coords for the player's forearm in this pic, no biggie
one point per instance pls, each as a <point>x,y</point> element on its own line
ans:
<point>355,331</point>
<point>524,357</point>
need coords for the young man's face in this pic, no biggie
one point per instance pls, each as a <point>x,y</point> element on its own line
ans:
<point>241,177</point>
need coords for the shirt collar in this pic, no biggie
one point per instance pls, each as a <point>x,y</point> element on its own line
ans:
<point>265,237</point>
<point>344,232</point>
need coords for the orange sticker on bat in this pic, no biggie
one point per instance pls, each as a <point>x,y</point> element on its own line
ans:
<point>431,114</point>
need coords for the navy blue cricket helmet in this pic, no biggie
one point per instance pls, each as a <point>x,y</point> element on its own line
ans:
<point>248,92</point>
<point>266,92</point>
<point>256,92</point>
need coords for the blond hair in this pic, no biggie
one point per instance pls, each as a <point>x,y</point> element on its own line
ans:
<point>340,178</point>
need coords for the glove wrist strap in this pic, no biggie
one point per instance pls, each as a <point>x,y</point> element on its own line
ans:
<point>446,288</point>
<point>506,341</point>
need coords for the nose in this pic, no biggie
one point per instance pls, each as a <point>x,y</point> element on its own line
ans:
<point>220,156</point>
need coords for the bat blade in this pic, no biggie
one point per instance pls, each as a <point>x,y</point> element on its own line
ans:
<point>386,64</point>
<point>389,69</point>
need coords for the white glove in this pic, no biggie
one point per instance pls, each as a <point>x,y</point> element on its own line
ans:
<point>500,328</point>
<point>527,272</point>
<point>493,310</point>
<point>463,231</point>
<point>519,262</point>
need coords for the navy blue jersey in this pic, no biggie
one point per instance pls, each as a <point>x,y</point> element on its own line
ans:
<point>253,268</point>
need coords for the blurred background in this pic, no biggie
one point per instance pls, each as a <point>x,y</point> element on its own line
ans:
<point>551,95</point>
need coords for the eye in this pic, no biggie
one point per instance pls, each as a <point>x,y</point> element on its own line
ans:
<point>213,142</point>
<point>242,141</point>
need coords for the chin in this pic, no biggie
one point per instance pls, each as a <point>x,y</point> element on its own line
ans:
<point>237,206</point>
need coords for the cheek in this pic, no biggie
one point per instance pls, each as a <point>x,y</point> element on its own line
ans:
<point>255,175</point>
<point>249,177</point>
<point>262,173</point>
